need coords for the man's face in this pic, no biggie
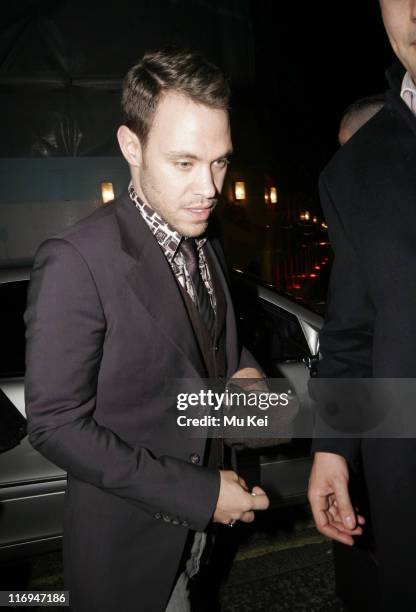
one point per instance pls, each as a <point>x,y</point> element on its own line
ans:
<point>184,163</point>
<point>343,134</point>
<point>399,18</point>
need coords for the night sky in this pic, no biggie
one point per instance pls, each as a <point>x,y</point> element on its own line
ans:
<point>313,59</point>
<point>295,66</point>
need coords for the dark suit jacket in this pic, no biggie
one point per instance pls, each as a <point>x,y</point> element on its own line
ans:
<point>368,193</point>
<point>106,327</point>
<point>369,197</point>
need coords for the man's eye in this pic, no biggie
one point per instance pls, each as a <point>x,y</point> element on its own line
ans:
<point>222,163</point>
<point>183,165</point>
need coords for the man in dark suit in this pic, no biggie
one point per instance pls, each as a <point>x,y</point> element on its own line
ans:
<point>368,193</point>
<point>120,303</point>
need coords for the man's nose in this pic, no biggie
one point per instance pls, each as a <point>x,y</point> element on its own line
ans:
<point>413,10</point>
<point>204,184</point>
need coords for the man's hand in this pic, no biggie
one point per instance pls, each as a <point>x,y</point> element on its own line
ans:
<point>330,501</point>
<point>235,503</point>
<point>256,379</point>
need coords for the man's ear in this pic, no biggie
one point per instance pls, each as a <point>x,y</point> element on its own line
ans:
<point>130,146</point>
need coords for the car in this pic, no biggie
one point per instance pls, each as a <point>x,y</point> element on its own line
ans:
<point>31,487</point>
<point>283,336</point>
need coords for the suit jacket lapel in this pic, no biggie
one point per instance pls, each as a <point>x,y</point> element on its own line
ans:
<point>150,277</point>
<point>231,336</point>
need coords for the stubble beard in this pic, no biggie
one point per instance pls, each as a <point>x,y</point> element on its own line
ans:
<point>153,198</point>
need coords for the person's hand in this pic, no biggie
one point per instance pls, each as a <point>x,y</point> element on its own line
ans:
<point>330,501</point>
<point>235,502</point>
<point>255,378</point>
<point>248,373</point>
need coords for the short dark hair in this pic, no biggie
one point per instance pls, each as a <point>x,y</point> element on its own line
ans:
<point>367,106</point>
<point>376,101</point>
<point>176,70</point>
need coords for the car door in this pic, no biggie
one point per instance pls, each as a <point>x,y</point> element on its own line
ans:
<point>31,487</point>
<point>283,337</point>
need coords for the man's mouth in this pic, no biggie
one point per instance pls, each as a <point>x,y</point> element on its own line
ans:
<point>200,213</point>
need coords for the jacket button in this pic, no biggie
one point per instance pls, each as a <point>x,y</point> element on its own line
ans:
<point>185,524</point>
<point>166,518</point>
<point>158,515</point>
<point>194,458</point>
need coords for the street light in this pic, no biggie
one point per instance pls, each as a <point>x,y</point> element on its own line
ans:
<point>240,190</point>
<point>273,195</point>
<point>107,192</point>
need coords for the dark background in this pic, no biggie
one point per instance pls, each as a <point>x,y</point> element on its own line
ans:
<point>313,59</point>
<point>294,65</point>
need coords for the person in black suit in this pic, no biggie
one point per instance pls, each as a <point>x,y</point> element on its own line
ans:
<point>368,193</point>
<point>128,298</point>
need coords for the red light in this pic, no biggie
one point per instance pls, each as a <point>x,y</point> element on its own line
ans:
<point>296,287</point>
<point>313,275</point>
<point>317,267</point>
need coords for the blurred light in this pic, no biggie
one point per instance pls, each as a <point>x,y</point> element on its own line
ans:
<point>317,267</point>
<point>107,192</point>
<point>240,190</point>
<point>273,195</point>
<point>315,219</point>
<point>313,275</point>
<point>324,225</point>
<point>307,216</point>
<point>296,287</point>
<point>302,216</point>
<point>323,243</point>
<point>266,196</point>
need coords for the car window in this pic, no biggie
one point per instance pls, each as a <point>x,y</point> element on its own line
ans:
<point>13,298</point>
<point>271,333</point>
